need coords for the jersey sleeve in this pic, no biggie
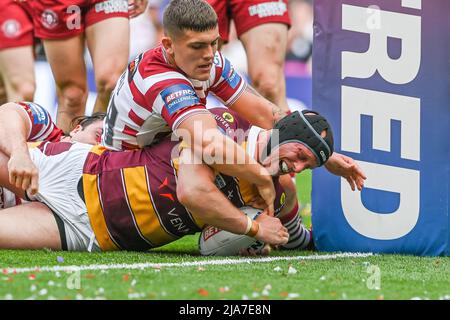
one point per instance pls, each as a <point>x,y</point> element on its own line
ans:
<point>176,101</point>
<point>42,127</point>
<point>228,84</point>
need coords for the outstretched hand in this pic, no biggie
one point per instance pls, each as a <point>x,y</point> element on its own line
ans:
<point>346,167</point>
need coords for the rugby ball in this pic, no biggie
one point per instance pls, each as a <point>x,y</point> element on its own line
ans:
<point>216,242</point>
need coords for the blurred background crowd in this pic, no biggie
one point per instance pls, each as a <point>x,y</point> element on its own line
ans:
<point>146,32</point>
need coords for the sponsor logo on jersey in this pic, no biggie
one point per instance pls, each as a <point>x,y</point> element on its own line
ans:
<point>178,97</point>
<point>112,6</point>
<point>268,9</point>
<point>228,117</point>
<point>133,67</point>
<point>11,28</point>
<point>283,199</point>
<point>230,75</point>
<point>49,19</point>
<point>38,113</point>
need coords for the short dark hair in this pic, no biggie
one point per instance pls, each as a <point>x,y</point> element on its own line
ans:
<point>86,121</point>
<point>195,15</point>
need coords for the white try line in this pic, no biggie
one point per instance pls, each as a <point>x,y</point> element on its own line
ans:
<point>216,262</point>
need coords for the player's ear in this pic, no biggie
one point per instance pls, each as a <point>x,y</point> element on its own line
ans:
<point>167,44</point>
<point>78,128</point>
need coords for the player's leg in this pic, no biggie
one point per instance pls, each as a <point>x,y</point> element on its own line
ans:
<point>265,46</point>
<point>17,69</point>
<point>108,43</point>
<point>69,70</point>
<point>29,226</point>
<point>299,236</point>
<point>60,26</point>
<point>108,40</point>
<point>16,51</point>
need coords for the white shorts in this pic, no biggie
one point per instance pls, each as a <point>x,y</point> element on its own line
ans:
<point>58,179</point>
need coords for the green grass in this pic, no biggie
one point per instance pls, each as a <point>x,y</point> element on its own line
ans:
<point>401,277</point>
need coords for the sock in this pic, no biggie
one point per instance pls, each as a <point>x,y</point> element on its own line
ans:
<point>299,236</point>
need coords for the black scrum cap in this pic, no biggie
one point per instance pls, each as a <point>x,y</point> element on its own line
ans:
<point>305,129</point>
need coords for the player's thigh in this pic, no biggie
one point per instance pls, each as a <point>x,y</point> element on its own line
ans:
<point>29,226</point>
<point>66,58</point>
<point>17,63</point>
<point>265,46</point>
<point>108,42</point>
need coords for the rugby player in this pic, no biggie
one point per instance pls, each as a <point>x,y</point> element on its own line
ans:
<point>29,122</point>
<point>138,200</point>
<point>165,90</point>
<point>262,26</point>
<point>16,51</point>
<point>64,26</point>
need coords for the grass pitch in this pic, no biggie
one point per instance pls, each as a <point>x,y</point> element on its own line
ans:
<point>370,277</point>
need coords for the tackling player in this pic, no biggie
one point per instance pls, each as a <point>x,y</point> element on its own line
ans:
<point>165,90</point>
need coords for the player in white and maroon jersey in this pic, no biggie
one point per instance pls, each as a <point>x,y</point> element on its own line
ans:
<point>29,122</point>
<point>162,97</point>
<point>165,90</point>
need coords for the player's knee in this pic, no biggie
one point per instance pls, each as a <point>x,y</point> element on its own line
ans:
<point>106,79</point>
<point>23,89</point>
<point>74,96</point>
<point>26,91</point>
<point>268,84</point>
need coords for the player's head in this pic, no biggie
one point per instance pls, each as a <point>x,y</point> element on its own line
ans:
<point>301,140</point>
<point>191,36</point>
<point>87,129</point>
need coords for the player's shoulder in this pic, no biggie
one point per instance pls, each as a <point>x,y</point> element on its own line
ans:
<point>154,64</point>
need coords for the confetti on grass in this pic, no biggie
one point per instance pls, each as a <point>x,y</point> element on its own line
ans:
<point>292,270</point>
<point>203,292</point>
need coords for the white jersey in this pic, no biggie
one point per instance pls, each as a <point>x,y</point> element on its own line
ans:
<point>152,98</point>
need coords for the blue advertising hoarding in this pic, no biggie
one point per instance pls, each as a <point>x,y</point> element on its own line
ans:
<point>381,75</point>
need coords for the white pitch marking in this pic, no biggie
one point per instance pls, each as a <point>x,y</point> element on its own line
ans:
<point>183,264</point>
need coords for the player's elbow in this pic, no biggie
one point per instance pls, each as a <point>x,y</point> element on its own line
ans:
<point>192,194</point>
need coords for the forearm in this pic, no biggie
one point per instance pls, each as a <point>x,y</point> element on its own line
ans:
<point>213,208</point>
<point>14,130</point>
<point>234,161</point>
<point>198,193</point>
